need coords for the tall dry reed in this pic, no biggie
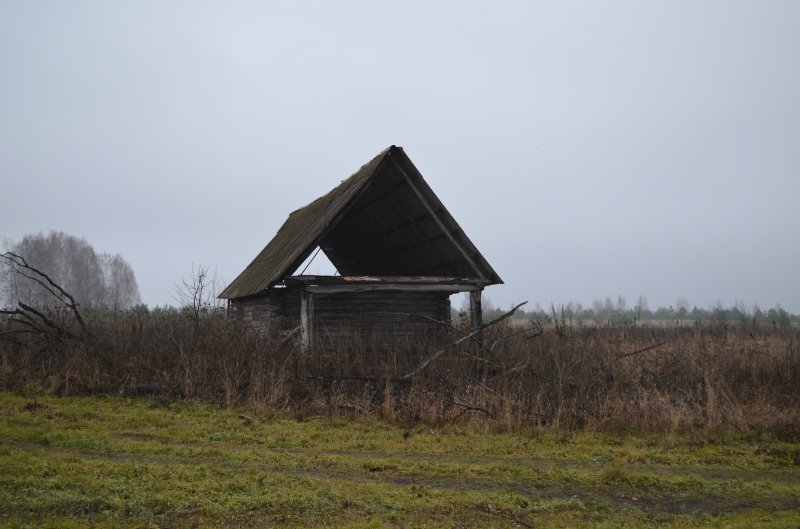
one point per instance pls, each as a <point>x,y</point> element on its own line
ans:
<point>572,377</point>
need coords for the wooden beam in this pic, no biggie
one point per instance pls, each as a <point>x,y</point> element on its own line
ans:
<point>436,218</point>
<point>306,322</point>
<point>378,280</point>
<point>340,289</point>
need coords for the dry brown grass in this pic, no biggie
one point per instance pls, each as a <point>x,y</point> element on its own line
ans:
<point>581,377</point>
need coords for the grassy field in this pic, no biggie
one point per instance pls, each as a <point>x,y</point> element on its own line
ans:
<point>117,462</point>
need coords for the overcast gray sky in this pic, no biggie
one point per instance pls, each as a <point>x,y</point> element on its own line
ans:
<point>589,149</point>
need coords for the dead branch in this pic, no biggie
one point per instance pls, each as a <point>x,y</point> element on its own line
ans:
<point>643,349</point>
<point>20,317</point>
<point>478,358</point>
<point>43,318</point>
<point>447,324</point>
<point>463,339</point>
<point>22,267</point>
<point>17,312</point>
<point>467,408</point>
<point>481,384</point>
<point>506,337</point>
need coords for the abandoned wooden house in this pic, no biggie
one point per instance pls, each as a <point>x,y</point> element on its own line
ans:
<point>398,255</point>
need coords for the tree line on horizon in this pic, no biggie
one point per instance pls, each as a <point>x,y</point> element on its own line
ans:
<point>618,313</point>
<point>101,280</point>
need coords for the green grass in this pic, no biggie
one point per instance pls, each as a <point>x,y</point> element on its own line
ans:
<point>116,462</point>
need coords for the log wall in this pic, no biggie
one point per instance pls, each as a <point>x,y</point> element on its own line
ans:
<point>396,314</point>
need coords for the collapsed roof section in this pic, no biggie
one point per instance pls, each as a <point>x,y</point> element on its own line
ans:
<point>382,221</point>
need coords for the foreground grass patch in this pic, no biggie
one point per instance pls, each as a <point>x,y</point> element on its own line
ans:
<point>115,462</point>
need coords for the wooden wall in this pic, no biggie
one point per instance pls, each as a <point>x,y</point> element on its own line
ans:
<point>365,314</point>
<point>276,310</point>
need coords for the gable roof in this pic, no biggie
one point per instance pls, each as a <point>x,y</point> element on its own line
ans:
<point>382,221</point>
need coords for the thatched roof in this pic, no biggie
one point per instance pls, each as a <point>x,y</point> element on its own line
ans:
<point>382,221</point>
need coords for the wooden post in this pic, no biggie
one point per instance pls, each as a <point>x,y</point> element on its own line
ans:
<point>306,323</point>
<point>475,310</point>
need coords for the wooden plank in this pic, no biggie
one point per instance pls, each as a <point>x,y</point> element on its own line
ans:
<point>341,289</point>
<point>306,322</point>
<point>424,280</point>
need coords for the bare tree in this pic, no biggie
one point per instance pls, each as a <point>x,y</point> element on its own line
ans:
<point>121,288</point>
<point>92,279</point>
<point>198,293</point>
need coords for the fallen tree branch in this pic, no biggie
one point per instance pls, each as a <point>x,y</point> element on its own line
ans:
<point>478,358</point>
<point>481,384</point>
<point>20,317</point>
<point>506,337</point>
<point>44,319</point>
<point>643,349</point>
<point>445,323</point>
<point>21,266</point>
<point>425,363</point>
<point>466,408</point>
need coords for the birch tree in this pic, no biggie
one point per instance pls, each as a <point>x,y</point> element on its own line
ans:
<point>94,280</point>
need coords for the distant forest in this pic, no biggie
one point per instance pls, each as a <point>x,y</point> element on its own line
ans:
<point>617,313</point>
